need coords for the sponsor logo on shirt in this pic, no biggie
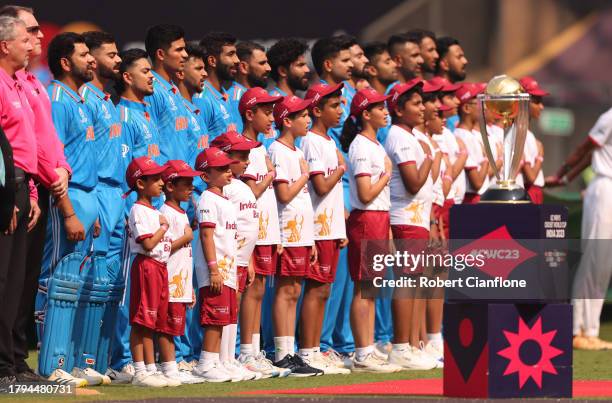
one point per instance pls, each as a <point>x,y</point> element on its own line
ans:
<point>181,123</point>
<point>106,114</point>
<point>83,117</point>
<point>115,130</point>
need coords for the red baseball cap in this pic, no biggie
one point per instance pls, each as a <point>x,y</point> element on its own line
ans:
<point>289,104</point>
<point>447,86</point>
<point>531,86</point>
<point>213,157</point>
<point>469,91</point>
<point>364,98</point>
<point>178,169</point>
<point>399,89</point>
<point>255,96</point>
<point>428,86</point>
<point>444,108</point>
<point>139,167</point>
<point>233,141</point>
<point>320,90</point>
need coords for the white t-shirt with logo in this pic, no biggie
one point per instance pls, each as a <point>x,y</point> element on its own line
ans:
<point>143,223</point>
<point>247,215</point>
<point>367,158</point>
<point>269,232</point>
<point>180,263</point>
<point>296,218</point>
<point>321,154</point>
<point>530,155</point>
<point>217,212</point>
<point>473,144</point>
<point>404,148</point>
<point>437,191</point>
<point>601,134</point>
<point>457,191</point>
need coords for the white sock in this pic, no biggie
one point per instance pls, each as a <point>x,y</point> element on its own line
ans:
<point>306,352</point>
<point>255,342</point>
<point>317,350</point>
<point>400,347</point>
<point>435,338</point>
<point>151,368</point>
<point>140,367</point>
<point>233,335</point>
<point>361,353</point>
<point>246,349</point>
<point>225,340</point>
<point>280,348</point>
<point>169,368</point>
<point>207,358</point>
<point>291,344</point>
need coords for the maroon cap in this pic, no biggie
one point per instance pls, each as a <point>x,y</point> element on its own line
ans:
<point>289,104</point>
<point>178,169</point>
<point>531,86</point>
<point>447,86</point>
<point>213,157</point>
<point>139,167</point>
<point>364,98</point>
<point>469,91</point>
<point>318,91</point>
<point>255,96</point>
<point>399,89</point>
<point>233,141</point>
<point>428,86</point>
<point>444,108</point>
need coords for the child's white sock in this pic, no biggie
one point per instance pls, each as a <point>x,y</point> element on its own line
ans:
<point>255,342</point>
<point>231,347</point>
<point>291,344</point>
<point>169,368</point>
<point>140,367</point>
<point>280,348</point>
<point>246,349</point>
<point>151,368</point>
<point>307,353</point>
<point>225,340</point>
<point>206,359</point>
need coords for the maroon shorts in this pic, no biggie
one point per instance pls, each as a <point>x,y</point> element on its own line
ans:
<point>535,194</point>
<point>410,232</point>
<point>471,198</point>
<point>264,259</point>
<point>148,293</point>
<point>242,278</point>
<point>366,225</point>
<point>175,323</point>
<point>218,309</point>
<point>294,261</point>
<point>324,269</point>
<point>445,216</point>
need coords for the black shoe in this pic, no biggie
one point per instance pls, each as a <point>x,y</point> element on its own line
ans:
<point>30,376</point>
<point>286,362</point>
<point>6,381</point>
<point>302,369</point>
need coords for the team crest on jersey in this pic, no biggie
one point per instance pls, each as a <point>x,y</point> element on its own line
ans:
<point>124,150</point>
<point>106,113</point>
<point>146,132</point>
<point>195,124</point>
<point>83,117</point>
<point>224,111</point>
<point>172,104</point>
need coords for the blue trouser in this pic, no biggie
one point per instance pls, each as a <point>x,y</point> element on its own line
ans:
<point>336,332</point>
<point>120,344</point>
<point>111,210</point>
<point>383,324</point>
<point>57,246</point>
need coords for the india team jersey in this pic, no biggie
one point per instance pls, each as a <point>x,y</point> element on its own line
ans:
<point>197,140</point>
<point>143,223</point>
<point>110,143</point>
<point>217,212</point>
<point>269,230</point>
<point>215,111</point>
<point>140,130</point>
<point>530,154</point>
<point>247,218</point>
<point>367,158</point>
<point>180,263</point>
<point>321,154</point>
<point>170,116</point>
<point>235,92</point>
<point>296,217</point>
<point>601,135</point>
<point>475,156</point>
<point>75,130</point>
<point>404,148</point>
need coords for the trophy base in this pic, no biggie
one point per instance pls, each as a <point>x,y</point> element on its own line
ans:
<point>516,195</point>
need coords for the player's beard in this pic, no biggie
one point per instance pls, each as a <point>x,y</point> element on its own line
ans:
<point>298,83</point>
<point>83,75</point>
<point>358,74</point>
<point>224,72</point>
<point>456,76</point>
<point>108,73</point>
<point>407,73</point>
<point>257,81</point>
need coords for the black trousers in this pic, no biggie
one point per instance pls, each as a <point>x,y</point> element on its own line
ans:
<point>13,250</point>
<point>25,316</point>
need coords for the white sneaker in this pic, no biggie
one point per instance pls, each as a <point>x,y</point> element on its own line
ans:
<point>328,368</point>
<point>149,379</point>
<point>282,372</point>
<point>334,358</point>
<point>382,349</point>
<point>123,376</point>
<point>171,381</point>
<point>412,358</point>
<point>64,378</point>
<point>92,376</point>
<point>436,351</point>
<point>263,367</point>
<point>213,373</point>
<point>236,372</point>
<point>187,377</point>
<point>186,366</point>
<point>390,366</point>
<point>372,364</point>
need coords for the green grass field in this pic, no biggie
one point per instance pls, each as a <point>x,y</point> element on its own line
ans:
<point>587,365</point>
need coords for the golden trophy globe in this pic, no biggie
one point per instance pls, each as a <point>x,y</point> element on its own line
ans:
<point>506,102</point>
